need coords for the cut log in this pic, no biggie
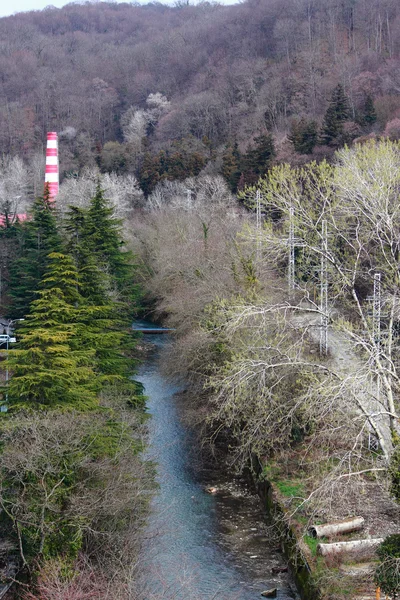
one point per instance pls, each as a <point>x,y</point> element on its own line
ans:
<point>356,547</point>
<point>330,529</point>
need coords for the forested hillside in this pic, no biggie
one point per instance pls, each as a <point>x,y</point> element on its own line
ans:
<point>211,178</point>
<point>162,92</point>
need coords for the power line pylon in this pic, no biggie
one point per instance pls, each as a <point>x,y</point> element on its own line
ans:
<point>376,313</point>
<point>292,242</point>
<point>323,340</point>
<point>258,226</point>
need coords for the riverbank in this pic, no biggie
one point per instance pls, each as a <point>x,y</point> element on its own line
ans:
<point>286,486</point>
<point>200,544</point>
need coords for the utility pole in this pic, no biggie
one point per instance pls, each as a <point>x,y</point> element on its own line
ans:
<point>258,226</point>
<point>376,328</point>
<point>323,340</point>
<point>376,313</point>
<point>291,250</point>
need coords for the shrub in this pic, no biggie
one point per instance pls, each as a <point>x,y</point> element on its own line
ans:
<point>387,575</point>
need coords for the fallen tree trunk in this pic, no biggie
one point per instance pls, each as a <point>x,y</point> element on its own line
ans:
<point>366,548</point>
<point>330,529</point>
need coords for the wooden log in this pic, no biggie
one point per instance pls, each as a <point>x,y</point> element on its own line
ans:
<point>364,547</point>
<point>330,529</point>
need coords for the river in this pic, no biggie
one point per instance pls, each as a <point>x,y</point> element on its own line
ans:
<point>199,546</point>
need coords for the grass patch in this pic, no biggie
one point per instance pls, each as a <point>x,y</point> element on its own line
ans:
<point>312,543</point>
<point>290,489</point>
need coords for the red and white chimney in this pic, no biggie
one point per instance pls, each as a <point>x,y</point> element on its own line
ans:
<point>51,178</point>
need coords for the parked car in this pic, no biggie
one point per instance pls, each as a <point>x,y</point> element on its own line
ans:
<point>4,338</point>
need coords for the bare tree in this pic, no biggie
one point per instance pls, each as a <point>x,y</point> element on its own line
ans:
<point>122,190</point>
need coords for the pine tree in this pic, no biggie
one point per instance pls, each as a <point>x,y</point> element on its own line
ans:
<point>230,167</point>
<point>102,237</point>
<point>70,348</point>
<point>337,113</point>
<point>98,328</point>
<point>303,135</point>
<point>367,115</point>
<point>46,370</point>
<point>259,157</point>
<point>37,239</point>
<point>92,281</point>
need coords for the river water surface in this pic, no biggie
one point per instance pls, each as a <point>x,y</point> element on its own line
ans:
<point>199,546</point>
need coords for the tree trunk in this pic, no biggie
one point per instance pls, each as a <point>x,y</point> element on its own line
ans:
<point>330,529</point>
<point>366,548</point>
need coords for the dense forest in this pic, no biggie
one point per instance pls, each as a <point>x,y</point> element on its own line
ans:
<point>163,92</point>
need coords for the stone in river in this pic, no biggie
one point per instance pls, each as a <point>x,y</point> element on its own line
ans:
<point>270,593</point>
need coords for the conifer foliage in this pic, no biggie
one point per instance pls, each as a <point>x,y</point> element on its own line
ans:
<point>303,135</point>
<point>48,369</point>
<point>37,238</point>
<point>101,239</point>
<point>337,114</point>
<point>73,340</point>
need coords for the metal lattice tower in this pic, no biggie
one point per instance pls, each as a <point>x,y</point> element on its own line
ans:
<point>258,224</point>
<point>291,250</point>
<point>376,312</point>
<point>323,340</point>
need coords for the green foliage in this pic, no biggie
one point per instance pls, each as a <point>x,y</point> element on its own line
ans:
<point>290,489</point>
<point>46,369</point>
<point>59,474</point>
<point>367,114</point>
<point>101,238</point>
<point>387,574</point>
<point>395,473</point>
<point>178,163</point>
<point>230,169</point>
<point>259,156</point>
<point>303,135</point>
<point>312,543</point>
<point>37,238</point>
<point>92,281</point>
<point>70,347</point>
<point>337,113</point>
<point>114,157</point>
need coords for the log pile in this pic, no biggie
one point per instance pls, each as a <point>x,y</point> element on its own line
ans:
<point>364,548</point>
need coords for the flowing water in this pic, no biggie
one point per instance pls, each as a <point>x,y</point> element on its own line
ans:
<point>199,546</point>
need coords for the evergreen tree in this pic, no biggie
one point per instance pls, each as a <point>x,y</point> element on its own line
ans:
<point>230,166</point>
<point>367,115</point>
<point>62,274</point>
<point>102,238</point>
<point>258,158</point>
<point>337,113</point>
<point>92,281</point>
<point>97,328</point>
<point>37,238</point>
<point>303,135</point>
<point>46,369</point>
<point>70,347</point>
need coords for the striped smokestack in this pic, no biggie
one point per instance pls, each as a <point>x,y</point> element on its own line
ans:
<point>51,176</point>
